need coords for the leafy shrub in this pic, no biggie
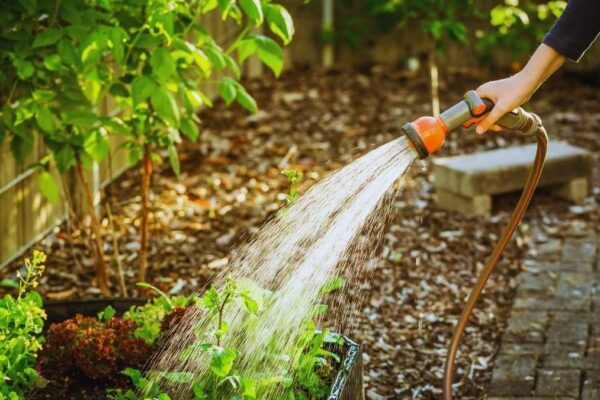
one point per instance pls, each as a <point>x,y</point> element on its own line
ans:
<point>94,349</point>
<point>64,59</point>
<point>519,26</point>
<point>21,323</point>
<point>150,317</point>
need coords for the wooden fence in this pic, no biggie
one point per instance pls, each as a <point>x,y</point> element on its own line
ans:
<point>26,216</point>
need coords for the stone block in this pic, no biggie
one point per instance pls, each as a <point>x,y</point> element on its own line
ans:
<point>521,349</point>
<point>591,386</point>
<point>575,284</point>
<point>576,190</point>
<point>505,170</point>
<point>513,376</point>
<point>473,205</point>
<point>532,282</point>
<point>575,333</point>
<point>552,382</point>
<point>563,356</point>
<point>526,326</point>
<point>543,302</point>
<point>580,250</point>
<point>579,266</point>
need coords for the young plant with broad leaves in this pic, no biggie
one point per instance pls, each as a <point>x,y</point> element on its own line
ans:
<point>307,368</point>
<point>66,60</point>
<point>171,52</point>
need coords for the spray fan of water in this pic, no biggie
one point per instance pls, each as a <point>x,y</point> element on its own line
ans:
<point>331,230</point>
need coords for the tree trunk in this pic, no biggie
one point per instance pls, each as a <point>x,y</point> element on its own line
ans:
<point>101,271</point>
<point>146,173</point>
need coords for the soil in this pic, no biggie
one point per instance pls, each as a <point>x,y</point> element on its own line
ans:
<point>317,121</point>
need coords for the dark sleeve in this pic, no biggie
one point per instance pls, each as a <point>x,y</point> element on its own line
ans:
<point>576,29</point>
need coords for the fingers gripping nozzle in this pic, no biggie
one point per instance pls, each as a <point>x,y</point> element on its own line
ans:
<point>427,134</point>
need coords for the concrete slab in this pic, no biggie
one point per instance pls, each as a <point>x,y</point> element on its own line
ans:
<point>506,170</point>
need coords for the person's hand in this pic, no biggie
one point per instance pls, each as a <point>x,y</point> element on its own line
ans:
<point>507,94</point>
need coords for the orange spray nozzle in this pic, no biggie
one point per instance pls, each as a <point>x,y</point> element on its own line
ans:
<point>427,134</point>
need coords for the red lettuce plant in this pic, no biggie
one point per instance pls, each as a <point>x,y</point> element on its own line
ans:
<point>89,348</point>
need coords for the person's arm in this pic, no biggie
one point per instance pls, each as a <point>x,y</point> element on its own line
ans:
<point>507,94</point>
<point>571,36</point>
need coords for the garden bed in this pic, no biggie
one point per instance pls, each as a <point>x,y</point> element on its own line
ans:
<point>316,122</point>
<point>347,384</point>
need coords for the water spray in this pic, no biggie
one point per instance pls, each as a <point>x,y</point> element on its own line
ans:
<point>427,135</point>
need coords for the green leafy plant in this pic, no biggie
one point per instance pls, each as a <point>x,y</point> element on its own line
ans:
<point>312,361</point>
<point>150,317</point>
<point>170,52</point>
<point>21,322</point>
<point>66,59</point>
<point>519,26</point>
<point>294,177</point>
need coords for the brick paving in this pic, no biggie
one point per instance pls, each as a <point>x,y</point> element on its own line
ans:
<point>551,346</point>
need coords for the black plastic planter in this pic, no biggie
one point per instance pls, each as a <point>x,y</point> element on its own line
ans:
<point>348,384</point>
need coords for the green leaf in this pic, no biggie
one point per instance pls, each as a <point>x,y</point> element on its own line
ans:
<point>202,60</point>
<point>67,52</point>
<point>52,62</point>
<point>228,90</point>
<point>119,90</point>
<point>64,158</point>
<point>174,159</point>
<point>250,303</point>
<point>42,95</point>
<point>107,313</point>
<point>210,300</point>
<point>270,53</point>
<point>165,106</point>
<point>91,89</point>
<point>142,88</point>
<point>45,119</point>
<point>189,129</point>
<point>134,374</point>
<point>222,361</point>
<point>249,387</point>
<point>253,10</point>
<point>246,100</point>
<point>9,283</point>
<point>215,55</point>
<point>232,65</point>
<point>225,6</point>
<point>47,37</point>
<point>280,21</point>
<point>96,145</point>
<point>194,98</point>
<point>162,64</point>
<point>117,38</point>
<point>21,145</point>
<point>332,285</point>
<point>24,68</point>
<point>246,48</point>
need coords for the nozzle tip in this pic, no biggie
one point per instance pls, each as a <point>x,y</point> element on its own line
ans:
<point>415,140</point>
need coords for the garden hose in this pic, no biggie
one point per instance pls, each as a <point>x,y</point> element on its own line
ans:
<point>427,135</point>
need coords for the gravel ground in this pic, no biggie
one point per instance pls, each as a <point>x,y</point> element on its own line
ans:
<point>430,258</point>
